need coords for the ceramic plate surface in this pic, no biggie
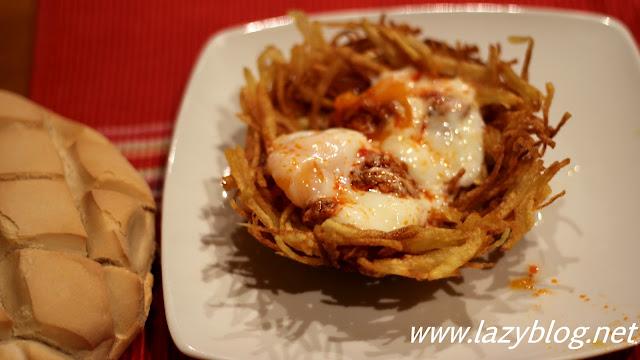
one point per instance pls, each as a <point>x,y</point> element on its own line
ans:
<point>227,297</point>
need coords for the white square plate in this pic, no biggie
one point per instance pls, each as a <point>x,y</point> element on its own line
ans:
<point>226,297</point>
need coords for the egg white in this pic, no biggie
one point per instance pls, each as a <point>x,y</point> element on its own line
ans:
<point>311,165</point>
<point>437,147</point>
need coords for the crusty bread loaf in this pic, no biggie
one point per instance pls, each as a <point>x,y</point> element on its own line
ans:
<point>76,239</point>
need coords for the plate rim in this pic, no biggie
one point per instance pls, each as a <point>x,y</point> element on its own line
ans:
<point>220,35</point>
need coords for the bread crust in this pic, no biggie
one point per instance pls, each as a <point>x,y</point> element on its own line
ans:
<point>76,239</point>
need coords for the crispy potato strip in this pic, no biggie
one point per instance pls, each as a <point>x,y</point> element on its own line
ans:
<point>298,92</point>
<point>433,265</point>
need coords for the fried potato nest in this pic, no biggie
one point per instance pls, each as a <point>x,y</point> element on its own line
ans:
<point>299,93</point>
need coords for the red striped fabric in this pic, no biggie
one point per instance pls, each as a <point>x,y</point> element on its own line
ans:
<point>121,67</point>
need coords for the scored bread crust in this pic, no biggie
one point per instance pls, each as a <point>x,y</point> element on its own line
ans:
<point>76,239</point>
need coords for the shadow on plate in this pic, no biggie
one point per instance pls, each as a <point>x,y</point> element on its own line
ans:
<point>292,310</point>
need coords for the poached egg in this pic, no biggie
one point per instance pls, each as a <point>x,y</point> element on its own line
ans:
<point>440,134</point>
<point>445,134</point>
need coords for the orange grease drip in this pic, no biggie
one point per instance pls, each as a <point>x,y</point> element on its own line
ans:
<point>584,297</point>
<point>525,283</point>
<point>529,282</point>
<point>539,292</point>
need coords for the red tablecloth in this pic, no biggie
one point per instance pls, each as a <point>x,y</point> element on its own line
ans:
<point>121,67</point>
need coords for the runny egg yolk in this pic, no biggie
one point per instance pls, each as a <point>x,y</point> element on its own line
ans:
<point>437,133</point>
